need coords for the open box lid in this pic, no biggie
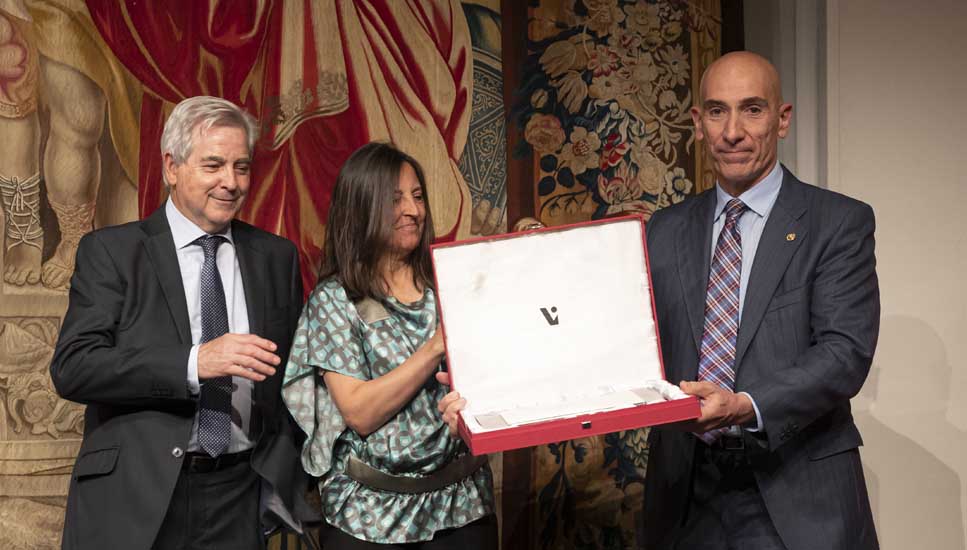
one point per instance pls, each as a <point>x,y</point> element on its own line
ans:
<point>550,323</point>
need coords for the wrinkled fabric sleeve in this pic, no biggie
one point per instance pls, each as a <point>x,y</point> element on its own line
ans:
<point>327,338</point>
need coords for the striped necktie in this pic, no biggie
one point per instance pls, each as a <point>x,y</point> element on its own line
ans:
<point>717,358</point>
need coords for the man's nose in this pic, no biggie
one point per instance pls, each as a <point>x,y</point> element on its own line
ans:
<point>734,131</point>
<point>230,178</point>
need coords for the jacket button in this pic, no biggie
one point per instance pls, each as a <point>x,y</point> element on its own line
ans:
<point>177,452</point>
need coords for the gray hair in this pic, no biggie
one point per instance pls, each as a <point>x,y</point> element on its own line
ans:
<point>203,112</point>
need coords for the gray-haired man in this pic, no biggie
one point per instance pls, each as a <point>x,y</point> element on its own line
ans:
<point>172,338</point>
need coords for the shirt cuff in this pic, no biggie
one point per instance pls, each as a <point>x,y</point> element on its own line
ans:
<point>194,387</point>
<point>758,416</point>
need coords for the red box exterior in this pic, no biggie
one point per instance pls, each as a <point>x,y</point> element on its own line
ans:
<point>551,431</point>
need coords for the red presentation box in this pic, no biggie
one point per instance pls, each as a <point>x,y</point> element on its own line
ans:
<point>551,335</point>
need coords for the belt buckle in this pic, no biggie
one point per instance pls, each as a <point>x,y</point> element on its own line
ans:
<point>202,464</point>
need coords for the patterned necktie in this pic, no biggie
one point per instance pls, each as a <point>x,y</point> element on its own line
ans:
<point>717,359</point>
<point>214,412</point>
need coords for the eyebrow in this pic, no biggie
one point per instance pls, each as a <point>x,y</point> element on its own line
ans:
<point>221,160</point>
<point>755,100</point>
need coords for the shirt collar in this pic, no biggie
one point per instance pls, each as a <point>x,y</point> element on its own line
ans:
<point>184,231</point>
<point>759,198</point>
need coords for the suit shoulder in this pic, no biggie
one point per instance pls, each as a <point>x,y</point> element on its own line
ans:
<point>116,237</point>
<point>262,238</point>
<point>676,212</point>
<point>832,202</point>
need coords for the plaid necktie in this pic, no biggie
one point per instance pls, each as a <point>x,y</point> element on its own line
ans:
<point>717,359</point>
<point>214,412</point>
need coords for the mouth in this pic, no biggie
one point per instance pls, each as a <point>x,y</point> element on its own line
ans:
<point>735,156</point>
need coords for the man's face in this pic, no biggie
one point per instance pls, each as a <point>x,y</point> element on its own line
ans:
<point>741,119</point>
<point>210,187</point>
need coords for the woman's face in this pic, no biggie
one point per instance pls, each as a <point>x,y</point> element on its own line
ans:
<point>409,212</point>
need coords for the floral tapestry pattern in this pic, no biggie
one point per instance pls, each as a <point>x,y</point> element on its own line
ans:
<point>604,109</point>
<point>605,106</point>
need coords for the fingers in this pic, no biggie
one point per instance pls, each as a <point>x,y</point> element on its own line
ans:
<point>720,407</point>
<point>443,378</point>
<point>253,339</point>
<point>254,363</point>
<point>450,406</point>
<point>699,389</point>
<point>245,355</point>
<point>447,401</point>
<point>260,354</point>
<point>711,396</point>
<point>242,372</point>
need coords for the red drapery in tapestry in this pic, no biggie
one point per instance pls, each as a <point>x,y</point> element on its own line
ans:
<point>316,105</point>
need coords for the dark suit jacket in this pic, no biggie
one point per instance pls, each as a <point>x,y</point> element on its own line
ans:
<point>123,352</point>
<point>804,347</point>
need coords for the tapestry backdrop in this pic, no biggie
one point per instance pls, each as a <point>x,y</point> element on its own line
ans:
<point>84,92</point>
<point>603,106</point>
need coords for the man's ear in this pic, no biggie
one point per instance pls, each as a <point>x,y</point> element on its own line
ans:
<point>169,168</point>
<point>785,119</point>
<point>697,120</point>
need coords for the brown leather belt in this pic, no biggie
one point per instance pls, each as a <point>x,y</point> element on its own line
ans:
<point>455,471</point>
<point>201,463</point>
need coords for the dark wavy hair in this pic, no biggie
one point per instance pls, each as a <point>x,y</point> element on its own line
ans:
<point>360,225</point>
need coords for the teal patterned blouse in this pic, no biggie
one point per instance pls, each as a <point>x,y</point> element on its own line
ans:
<point>331,336</point>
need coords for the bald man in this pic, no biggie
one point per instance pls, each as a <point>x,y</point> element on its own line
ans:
<point>768,307</point>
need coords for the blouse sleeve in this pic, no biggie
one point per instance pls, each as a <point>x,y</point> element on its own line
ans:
<point>326,339</point>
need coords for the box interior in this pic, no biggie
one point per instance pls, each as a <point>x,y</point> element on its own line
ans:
<point>550,324</point>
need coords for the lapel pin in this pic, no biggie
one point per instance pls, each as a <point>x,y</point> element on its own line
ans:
<point>790,236</point>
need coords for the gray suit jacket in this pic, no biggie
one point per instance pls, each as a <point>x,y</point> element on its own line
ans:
<point>804,347</point>
<point>123,352</point>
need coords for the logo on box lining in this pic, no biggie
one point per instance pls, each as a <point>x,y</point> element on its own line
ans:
<point>550,316</point>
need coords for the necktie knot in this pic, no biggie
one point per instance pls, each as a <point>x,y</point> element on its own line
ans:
<point>733,209</point>
<point>210,244</point>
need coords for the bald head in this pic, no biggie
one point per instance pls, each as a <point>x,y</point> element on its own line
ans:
<point>741,118</point>
<point>744,65</point>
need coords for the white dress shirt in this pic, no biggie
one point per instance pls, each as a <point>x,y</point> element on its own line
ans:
<point>191,257</point>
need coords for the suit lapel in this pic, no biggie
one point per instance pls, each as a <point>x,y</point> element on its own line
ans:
<point>772,258</point>
<point>253,281</point>
<point>694,249</point>
<point>252,277</point>
<point>161,251</point>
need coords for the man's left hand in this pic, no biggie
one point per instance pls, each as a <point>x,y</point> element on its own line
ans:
<point>721,408</point>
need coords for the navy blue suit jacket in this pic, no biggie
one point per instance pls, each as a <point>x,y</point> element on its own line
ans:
<point>804,347</point>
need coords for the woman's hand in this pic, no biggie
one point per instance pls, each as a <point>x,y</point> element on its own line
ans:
<point>451,404</point>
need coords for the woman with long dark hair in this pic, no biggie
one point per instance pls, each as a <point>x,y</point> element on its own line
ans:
<point>360,378</point>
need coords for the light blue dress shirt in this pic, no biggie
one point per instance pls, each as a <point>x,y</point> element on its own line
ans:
<point>760,198</point>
